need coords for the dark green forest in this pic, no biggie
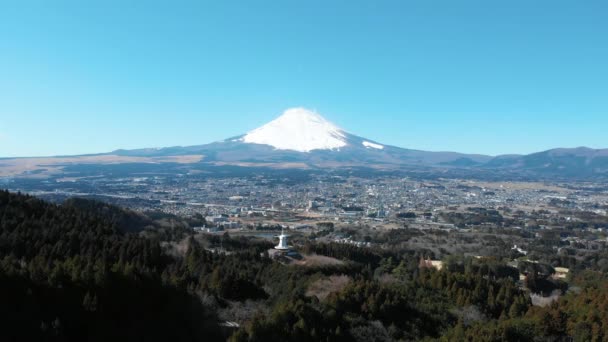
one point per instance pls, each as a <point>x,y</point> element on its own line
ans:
<point>89,271</point>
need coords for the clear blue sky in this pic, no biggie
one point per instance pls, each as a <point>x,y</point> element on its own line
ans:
<point>470,76</point>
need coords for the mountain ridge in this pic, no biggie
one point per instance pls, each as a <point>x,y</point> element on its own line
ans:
<point>293,138</point>
<point>273,142</point>
<point>301,138</point>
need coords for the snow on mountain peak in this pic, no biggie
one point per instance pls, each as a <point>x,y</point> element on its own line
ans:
<point>298,129</point>
<point>372,145</point>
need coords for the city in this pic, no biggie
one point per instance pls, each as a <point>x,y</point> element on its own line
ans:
<point>359,210</point>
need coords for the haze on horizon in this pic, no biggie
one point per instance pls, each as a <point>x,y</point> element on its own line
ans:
<point>472,77</point>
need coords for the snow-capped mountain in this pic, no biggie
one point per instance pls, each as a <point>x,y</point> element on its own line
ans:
<point>303,137</point>
<point>298,129</point>
<point>303,130</point>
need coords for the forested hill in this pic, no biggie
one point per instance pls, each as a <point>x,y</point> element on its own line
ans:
<point>122,219</point>
<point>68,273</point>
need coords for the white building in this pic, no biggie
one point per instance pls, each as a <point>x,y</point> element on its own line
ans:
<point>282,242</point>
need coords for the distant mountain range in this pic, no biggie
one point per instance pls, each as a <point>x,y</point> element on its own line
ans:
<point>300,138</point>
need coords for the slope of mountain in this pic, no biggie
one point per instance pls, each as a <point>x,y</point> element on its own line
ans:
<point>298,130</point>
<point>303,139</point>
<point>571,162</point>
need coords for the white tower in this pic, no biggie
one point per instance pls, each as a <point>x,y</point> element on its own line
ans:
<point>282,242</point>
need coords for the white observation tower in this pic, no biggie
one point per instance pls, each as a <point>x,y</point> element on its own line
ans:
<point>282,242</point>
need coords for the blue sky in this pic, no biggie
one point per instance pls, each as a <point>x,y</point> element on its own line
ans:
<point>482,76</point>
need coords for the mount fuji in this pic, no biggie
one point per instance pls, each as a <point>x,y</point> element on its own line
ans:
<point>301,137</point>
<point>300,130</point>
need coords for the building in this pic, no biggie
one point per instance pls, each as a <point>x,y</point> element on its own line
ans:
<point>560,273</point>
<point>519,250</point>
<point>216,219</point>
<point>428,263</point>
<point>282,242</point>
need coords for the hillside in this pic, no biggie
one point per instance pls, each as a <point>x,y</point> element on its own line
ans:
<point>68,274</point>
